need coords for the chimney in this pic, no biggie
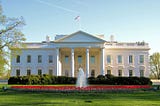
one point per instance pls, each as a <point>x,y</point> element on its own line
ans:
<point>112,38</point>
<point>47,39</point>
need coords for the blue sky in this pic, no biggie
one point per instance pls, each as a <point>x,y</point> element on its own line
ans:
<point>127,20</point>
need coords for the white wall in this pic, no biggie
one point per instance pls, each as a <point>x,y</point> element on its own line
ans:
<point>34,65</point>
<point>125,64</point>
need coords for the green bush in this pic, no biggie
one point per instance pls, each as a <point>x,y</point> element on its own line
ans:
<point>107,79</point>
<point>46,79</point>
<point>112,80</point>
<point>41,80</point>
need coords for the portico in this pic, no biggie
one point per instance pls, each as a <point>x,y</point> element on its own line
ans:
<point>71,59</point>
<point>77,50</point>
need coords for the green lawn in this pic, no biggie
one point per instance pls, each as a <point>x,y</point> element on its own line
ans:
<point>139,98</point>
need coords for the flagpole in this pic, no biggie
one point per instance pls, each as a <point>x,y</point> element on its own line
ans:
<point>79,24</point>
<point>77,18</point>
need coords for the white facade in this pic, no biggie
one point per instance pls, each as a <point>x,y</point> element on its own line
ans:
<point>93,54</point>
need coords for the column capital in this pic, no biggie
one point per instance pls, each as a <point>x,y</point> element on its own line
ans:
<point>87,49</point>
<point>102,47</point>
<point>57,47</point>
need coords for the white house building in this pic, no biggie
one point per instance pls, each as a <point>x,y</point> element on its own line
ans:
<point>96,56</point>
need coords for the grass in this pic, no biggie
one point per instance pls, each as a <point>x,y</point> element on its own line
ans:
<point>138,98</point>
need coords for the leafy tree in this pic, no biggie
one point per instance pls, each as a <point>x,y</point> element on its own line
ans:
<point>10,36</point>
<point>155,65</point>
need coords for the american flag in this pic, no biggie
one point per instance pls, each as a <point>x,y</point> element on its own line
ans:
<point>77,18</point>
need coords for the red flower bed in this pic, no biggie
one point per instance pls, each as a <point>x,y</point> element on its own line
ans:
<point>74,88</point>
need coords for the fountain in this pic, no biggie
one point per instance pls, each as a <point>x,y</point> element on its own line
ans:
<point>81,79</point>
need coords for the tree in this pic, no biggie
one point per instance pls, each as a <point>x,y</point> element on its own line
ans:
<point>10,36</point>
<point>155,65</point>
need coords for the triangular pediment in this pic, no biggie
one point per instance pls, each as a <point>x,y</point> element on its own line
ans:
<point>80,36</point>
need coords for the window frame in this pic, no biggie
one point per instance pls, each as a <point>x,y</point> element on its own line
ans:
<point>18,59</point>
<point>66,59</point>
<point>141,72</point>
<point>108,58</point>
<point>28,58</point>
<point>109,72</point>
<point>92,59</point>
<point>39,72</point>
<point>18,73</point>
<point>130,73</point>
<point>120,73</point>
<point>50,58</point>
<point>28,72</point>
<point>39,58</point>
<point>92,73</point>
<point>130,60</point>
<point>79,59</point>
<point>121,59</point>
<point>50,71</point>
<point>141,61</point>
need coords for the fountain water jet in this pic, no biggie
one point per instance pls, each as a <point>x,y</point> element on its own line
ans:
<point>81,79</point>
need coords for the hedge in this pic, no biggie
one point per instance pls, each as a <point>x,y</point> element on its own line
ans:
<point>107,80</point>
<point>41,80</point>
<point>112,80</point>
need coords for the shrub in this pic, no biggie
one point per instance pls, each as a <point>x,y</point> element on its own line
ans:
<point>107,79</point>
<point>46,79</point>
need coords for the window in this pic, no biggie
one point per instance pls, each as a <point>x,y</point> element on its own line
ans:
<point>130,73</point>
<point>141,59</point>
<point>28,72</point>
<point>18,59</point>
<point>50,72</point>
<point>109,72</point>
<point>130,59</point>
<point>66,59</point>
<point>108,59</point>
<point>39,72</point>
<point>93,73</point>
<point>141,73</point>
<point>119,73</point>
<point>39,58</point>
<point>119,59</point>
<point>92,59</point>
<point>29,59</point>
<point>66,73</point>
<point>50,59</point>
<point>79,59</point>
<point>18,72</point>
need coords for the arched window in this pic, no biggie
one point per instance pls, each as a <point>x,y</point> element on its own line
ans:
<point>109,72</point>
<point>119,73</point>
<point>28,72</point>
<point>130,73</point>
<point>93,73</point>
<point>66,73</point>
<point>50,72</point>
<point>39,71</point>
<point>141,73</point>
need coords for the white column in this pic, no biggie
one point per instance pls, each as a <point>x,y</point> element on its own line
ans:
<point>87,62</point>
<point>57,57</point>
<point>102,62</point>
<point>72,62</point>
